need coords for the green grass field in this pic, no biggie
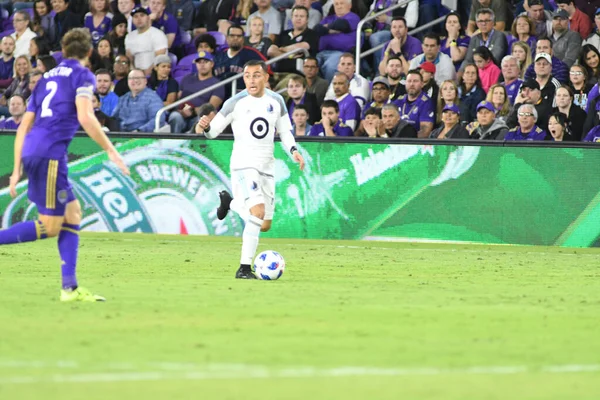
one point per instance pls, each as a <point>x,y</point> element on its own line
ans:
<point>348,320</point>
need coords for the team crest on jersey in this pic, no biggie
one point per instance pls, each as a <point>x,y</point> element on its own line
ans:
<point>254,186</point>
<point>415,110</point>
<point>62,196</point>
<point>270,108</point>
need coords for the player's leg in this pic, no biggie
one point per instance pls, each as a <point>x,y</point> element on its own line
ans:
<point>250,238</point>
<point>268,188</point>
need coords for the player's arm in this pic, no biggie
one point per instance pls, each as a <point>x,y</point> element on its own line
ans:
<point>91,125</point>
<point>22,131</point>
<point>211,128</point>
<point>284,127</point>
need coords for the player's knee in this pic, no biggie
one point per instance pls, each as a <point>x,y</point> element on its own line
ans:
<point>266,226</point>
<point>51,226</point>
<point>73,213</point>
<point>258,211</point>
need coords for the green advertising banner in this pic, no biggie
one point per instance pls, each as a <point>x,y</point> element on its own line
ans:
<point>517,195</point>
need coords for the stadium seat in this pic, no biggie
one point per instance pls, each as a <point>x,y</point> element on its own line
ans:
<point>186,38</point>
<point>6,33</point>
<point>30,11</point>
<point>219,37</point>
<point>57,56</point>
<point>173,59</point>
<point>22,5</point>
<point>184,67</point>
<point>5,14</point>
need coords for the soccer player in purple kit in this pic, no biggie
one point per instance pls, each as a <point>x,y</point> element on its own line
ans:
<point>60,102</point>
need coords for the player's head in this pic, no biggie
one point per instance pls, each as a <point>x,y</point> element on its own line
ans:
<point>77,44</point>
<point>255,77</point>
<point>330,110</point>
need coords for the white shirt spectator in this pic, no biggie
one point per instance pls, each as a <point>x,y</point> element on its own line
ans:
<point>359,89</point>
<point>444,67</point>
<point>144,46</point>
<point>22,43</point>
<point>314,17</point>
<point>272,20</point>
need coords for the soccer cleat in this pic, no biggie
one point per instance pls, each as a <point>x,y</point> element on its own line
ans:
<point>223,208</point>
<point>245,272</point>
<point>79,294</point>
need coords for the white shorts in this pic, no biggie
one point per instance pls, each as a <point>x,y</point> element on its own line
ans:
<point>251,187</point>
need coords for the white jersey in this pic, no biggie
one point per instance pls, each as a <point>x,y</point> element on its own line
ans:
<point>254,121</point>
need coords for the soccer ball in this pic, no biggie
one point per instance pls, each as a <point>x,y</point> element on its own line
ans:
<point>268,265</point>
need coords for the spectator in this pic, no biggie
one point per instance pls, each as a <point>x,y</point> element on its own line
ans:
<point>527,128</point>
<point>296,90</point>
<point>543,76</point>
<point>300,36</point>
<point>522,52</point>
<point>530,94</point>
<point>7,61</point>
<point>256,39</point>
<point>498,98</point>
<point>510,75</point>
<point>560,70</point>
<point>117,34</point>
<point>185,118</point>
<point>349,109</point>
<point>107,98</point>
<point>566,43</point>
<point>494,40</point>
<point>371,124</point>
<point>593,135</point>
<point>359,86</point>
<point>315,84</point>
<point>162,82</point>
<point>122,68</point>
<point>578,83</point>
<point>137,109</point>
<point>338,35</point>
<point>144,43</point>
<point>214,15</point>
<point>470,94</point>
<point>270,17</point>
<point>396,127</point>
<point>488,70</point>
<point>541,18</point>
<point>402,44</point>
<point>589,59</point>
<point>98,20</point>
<point>125,8</point>
<point>22,34</point>
<point>578,21</point>
<point>430,87</point>
<point>64,21</point>
<point>183,11</point>
<point>558,129</point>
<point>451,127</point>
<point>38,47</point>
<point>106,55</point>
<point>454,42</point>
<point>16,107</point>
<point>300,124</point>
<point>43,20</point>
<point>108,124</point>
<point>34,77</point>
<point>523,30</point>
<point>380,95</point>
<point>330,123</point>
<point>314,15</point>
<point>575,116</point>
<point>447,96</point>
<point>594,37</point>
<point>396,78</point>
<point>497,6</point>
<point>19,85</point>
<point>488,126</point>
<point>167,24</point>
<point>45,63</point>
<point>416,108</point>
<point>444,68</point>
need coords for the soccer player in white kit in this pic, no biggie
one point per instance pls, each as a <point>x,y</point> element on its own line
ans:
<point>255,114</point>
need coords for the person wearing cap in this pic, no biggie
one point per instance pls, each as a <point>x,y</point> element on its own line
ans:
<point>594,37</point>
<point>296,91</point>
<point>416,107</point>
<point>161,80</point>
<point>494,40</point>
<point>117,34</point>
<point>578,21</point>
<point>359,86</point>
<point>349,107</point>
<point>394,125</point>
<point>527,128</point>
<point>380,94</point>
<point>565,43</point>
<point>64,21</point>
<point>499,7</point>
<point>146,42</point>
<point>184,119</point>
<point>543,76</point>
<point>487,126</point>
<point>444,67</point>
<point>530,93</point>
<point>330,123</point>
<point>430,86</point>
<point>451,127</point>
<point>560,70</point>
<point>541,17</point>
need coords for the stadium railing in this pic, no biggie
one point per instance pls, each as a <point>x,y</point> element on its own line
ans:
<point>360,54</point>
<point>224,82</point>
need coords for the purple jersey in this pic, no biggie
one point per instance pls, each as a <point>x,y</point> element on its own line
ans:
<point>412,48</point>
<point>168,24</point>
<point>512,90</point>
<point>340,41</point>
<point>593,135</point>
<point>340,129</point>
<point>349,111</point>
<point>417,111</point>
<point>53,102</point>
<point>536,133</point>
<point>9,124</point>
<point>99,31</point>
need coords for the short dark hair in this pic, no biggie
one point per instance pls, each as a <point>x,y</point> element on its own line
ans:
<point>298,78</point>
<point>399,19</point>
<point>208,39</point>
<point>260,63</point>
<point>312,59</point>
<point>433,36</point>
<point>19,95</point>
<point>102,71</point>
<point>206,109</point>
<point>374,111</point>
<point>234,27</point>
<point>300,8</point>
<point>77,43</point>
<point>301,107</point>
<point>330,104</point>
<point>348,55</point>
<point>48,61</point>
<point>395,57</point>
<point>545,38</point>
<point>415,72</point>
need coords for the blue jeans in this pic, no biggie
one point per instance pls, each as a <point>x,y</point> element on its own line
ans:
<point>375,40</point>
<point>179,124</point>
<point>328,62</point>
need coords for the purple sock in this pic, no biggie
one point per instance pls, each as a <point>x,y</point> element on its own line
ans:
<point>22,232</point>
<point>68,246</point>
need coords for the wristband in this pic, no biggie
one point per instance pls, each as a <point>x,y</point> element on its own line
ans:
<point>293,149</point>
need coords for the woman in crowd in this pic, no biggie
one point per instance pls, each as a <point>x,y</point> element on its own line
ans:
<point>589,57</point>
<point>19,85</point>
<point>300,124</point>
<point>106,55</point>
<point>45,63</point>
<point>38,46</point>
<point>43,20</point>
<point>522,52</point>
<point>256,37</point>
<point>486,66</point>
<point>575,115</point>
<point>578,83</point>
<point>98,20</point>
<point>454,41</point>
<point>522,30</point>
<point>117,35</point>
<point>451,127</point>
<point>448,95</point>
<point>558,128</point>
<point>161,80</point>
<point>470,93</point>
<point>498,97</point>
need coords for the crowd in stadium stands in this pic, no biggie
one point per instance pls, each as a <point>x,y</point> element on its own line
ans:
<point>492,69</point>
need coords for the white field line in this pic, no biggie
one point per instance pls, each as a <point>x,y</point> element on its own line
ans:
<point>188,371</point>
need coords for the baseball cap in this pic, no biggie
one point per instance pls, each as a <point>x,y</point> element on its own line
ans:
<point>204,55</point>
<point>545,56</point>
<point>138,10</point>
<point>487,105</point>
<point>162,59</point>
<point>383,80</point>
<point>451,107</point>
<point>535,3</point>
<point>428,66</point>
<point>531,84</point>
<point>560,13</point>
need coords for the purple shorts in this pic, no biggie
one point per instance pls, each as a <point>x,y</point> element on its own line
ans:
<point>49,186</point>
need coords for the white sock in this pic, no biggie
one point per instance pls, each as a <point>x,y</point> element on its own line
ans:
<point>238,207</point>
<point>250,239</point>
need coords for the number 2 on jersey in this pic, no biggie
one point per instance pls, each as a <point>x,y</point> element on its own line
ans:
<point>52,87</point>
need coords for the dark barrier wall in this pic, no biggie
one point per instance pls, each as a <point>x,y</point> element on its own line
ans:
<point>491,194</point>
